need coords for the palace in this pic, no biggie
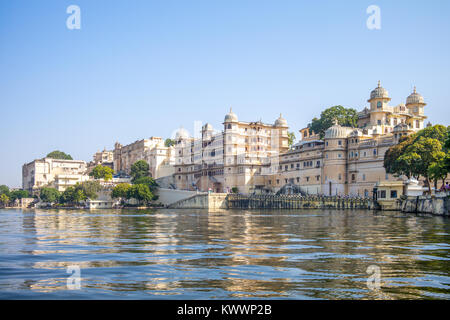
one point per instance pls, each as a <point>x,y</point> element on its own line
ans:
<point>255,157</point>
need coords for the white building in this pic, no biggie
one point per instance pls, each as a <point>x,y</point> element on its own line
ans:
<point>56,173</point>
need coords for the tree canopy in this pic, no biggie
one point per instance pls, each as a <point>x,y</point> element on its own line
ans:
<point>291,139</point>
<point>4,199</point>
<point>120,190</point>
<point>169,142</point>
<point>4,190</point>
<point>18,194</point>
<point>421,154</point>
<point>139,169</point>
<point>59,155</point>
<point>140,192</point>
<point>102,172</point>
<point>148,181</point>
<point>346,117</point>
<point>50,195</point>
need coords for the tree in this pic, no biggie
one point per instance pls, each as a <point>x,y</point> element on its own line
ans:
<point>18,194</point>
<point>50,195</point>
<point>89,189</point>
<point>4,199</point>
<point>347,117</point>
<point>140,192</point>
<point>438,171</point>
<point>59,155</point>
<point>120,191</point>
<point>102,172</point>
<point>420,155</point>
<point>4,190</point>
<point>291,138</point>
<point>392,162</point>
<point>139,169</point>
<point>148,181</point>
<point>169,142</point>
<point>72,195</point>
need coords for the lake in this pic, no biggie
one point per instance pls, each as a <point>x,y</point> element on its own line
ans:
<point>193,254</point>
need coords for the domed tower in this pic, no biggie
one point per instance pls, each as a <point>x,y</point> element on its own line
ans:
<point>283,139</point>
<point>415,104</point>
<point>230,145</point>
<point>335,160</point>
<point>379,99</point>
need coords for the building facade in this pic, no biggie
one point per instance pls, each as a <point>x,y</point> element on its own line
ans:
<point>254,157</point>
<point>104,158</point>
<point>159,157</point>
<point>238,157</point>
<point>56,173</point>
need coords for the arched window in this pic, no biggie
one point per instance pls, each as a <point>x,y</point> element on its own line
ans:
<point>379,105</point>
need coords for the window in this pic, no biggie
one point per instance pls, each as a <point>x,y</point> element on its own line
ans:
<point>374,152</point>
<point>270,181</point>
<point>340,177</point>
<point>393,194</point>
<point>278,181</point>
<point>298,179</point>
<point>307,179</point>
<point>379,122</point>
<point>382,194</point>
<point>353,177</point>
<point>417,124</point>
<point>317,178</point>
<point>379,105</point>
<point>364,177</point>
<point>339,142</point>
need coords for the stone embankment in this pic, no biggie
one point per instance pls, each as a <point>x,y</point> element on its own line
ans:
<point>438,205</point>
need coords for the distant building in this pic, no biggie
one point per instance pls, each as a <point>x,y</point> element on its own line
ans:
<point>237,157</point>
<point>254,157</point>
<point>56,173</point>
<point>104,158</point>
<point>159,157</point>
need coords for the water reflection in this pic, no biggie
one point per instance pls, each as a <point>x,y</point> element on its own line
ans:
<point>237,254</point>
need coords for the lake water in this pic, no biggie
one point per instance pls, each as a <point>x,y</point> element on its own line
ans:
<point>189,254</point>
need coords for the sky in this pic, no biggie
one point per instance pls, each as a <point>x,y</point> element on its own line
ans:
<point>137,69</point>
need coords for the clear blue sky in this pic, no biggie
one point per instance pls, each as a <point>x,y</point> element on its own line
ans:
<point>143,68</point>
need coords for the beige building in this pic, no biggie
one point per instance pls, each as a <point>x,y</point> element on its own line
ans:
<point>56,173</point>
<point>254,157</point>
<point>240,156</point>
<point>159,157</point>
<point>104,158</point>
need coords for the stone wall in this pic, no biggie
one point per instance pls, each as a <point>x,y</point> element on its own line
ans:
<point>438,205</point>
<point>213,201</point>
<point>169,196</point>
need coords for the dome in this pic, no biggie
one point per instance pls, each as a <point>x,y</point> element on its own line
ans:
<point>281,122</point>
<point>379,92</point>
<point>414,98</point>
<point>231,116</point>
<point>181,134</point>
<point>336,131</point>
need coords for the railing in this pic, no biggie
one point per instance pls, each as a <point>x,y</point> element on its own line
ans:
<point>238,201</point>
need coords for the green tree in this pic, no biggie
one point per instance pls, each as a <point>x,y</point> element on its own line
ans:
<point>59,155</point>
<point>169,142</point>
<point>346,117</point>
<point>148,181</point>
<point>4,199</point>
<point>420,155</point>
<point>139,169</point>
<point>50,195</point>
<point>89,189</point>
<point>140,192</point>
<point>291,139</point>
<point>392,162</point>
<point>102,172</point>
<point>72,195</point>
<point>4,190</point>
<point>120,190</point>
<point>18,194</point>
<point>438,171</point>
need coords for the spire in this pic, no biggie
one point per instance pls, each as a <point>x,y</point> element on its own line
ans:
<point>335,121</point>
<point>379,83</point>
<point>415,89</point>
<point>231,109</point>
